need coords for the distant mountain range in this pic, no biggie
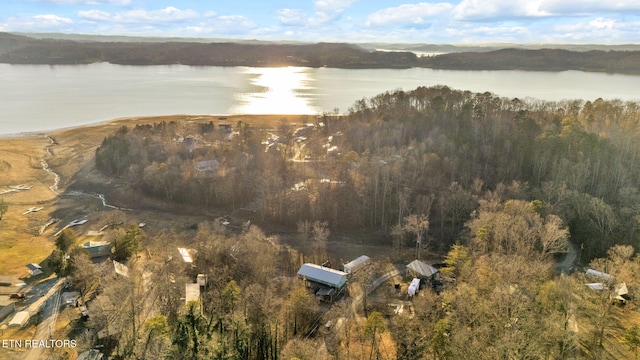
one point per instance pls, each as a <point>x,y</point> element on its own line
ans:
<point>84,49</point>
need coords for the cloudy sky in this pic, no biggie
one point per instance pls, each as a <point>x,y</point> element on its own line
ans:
<point>437,21</point>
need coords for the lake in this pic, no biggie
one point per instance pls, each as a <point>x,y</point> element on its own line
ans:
<point>38,98</point>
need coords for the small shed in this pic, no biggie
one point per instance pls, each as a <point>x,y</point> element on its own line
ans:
<point>120,269</point>
<point>186,257</point>
<point>34,269</point>
<point>422,268</point>
<point>354,265</point>
<point>202,280</point>
<point>20,319</point>
<point>316,274</point>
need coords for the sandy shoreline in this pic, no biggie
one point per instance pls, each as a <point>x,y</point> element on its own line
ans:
<point>268,119</point>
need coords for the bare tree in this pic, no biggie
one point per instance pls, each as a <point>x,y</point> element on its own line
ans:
<point>417,225</point>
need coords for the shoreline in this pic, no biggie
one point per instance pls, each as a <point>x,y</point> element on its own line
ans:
<point>146,119</point>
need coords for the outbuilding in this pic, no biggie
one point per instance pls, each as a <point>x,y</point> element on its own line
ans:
<point>97,248</point>
<point>422,269</point>
<point>34,269</point>
<point>354,265</point>
<point>20,319</point>
<point>327,283</point>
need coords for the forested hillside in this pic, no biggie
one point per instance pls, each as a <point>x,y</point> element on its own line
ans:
<point>16,49</point>
<point>433,151</point>
<point>542,59</point>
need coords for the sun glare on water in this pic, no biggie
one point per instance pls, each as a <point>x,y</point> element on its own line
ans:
<point>281,91</point>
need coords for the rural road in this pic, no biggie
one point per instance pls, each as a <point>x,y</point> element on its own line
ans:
<point>47,307</point>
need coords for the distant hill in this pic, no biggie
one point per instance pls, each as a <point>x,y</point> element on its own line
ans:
<point>535,60</point>
<point>84,49</point>
<point>56,51</point>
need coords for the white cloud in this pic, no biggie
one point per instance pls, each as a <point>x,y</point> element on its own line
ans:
<point>407,14</point>
<point>329,10</point>
<point>52,20</point>
<point>485,10</point>
<point>589,7</point>
<point>291,17</point>
<point>44,22</point>
<point>600,29</point>
<point>168,14</point>
<point>91,2</point>
<point>601,23</point>
<point>497,9</point>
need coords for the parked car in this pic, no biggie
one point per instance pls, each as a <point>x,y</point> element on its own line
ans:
<point>18,296</point>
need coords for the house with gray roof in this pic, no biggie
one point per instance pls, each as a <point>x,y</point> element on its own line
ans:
<point>327,283</point>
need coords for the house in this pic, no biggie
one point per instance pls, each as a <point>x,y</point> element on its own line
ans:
<point>207,165</point>
<point>327,283</point>
<point>97,248</point>
<point>34,269</point>
<point>70,298</point>
<point>354,265</point>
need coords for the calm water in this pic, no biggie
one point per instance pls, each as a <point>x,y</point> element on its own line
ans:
<point>42,97</point>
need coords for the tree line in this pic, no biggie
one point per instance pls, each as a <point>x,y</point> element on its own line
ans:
<point>16,49</point>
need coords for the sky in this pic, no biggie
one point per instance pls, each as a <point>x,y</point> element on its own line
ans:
<point>399,21</point>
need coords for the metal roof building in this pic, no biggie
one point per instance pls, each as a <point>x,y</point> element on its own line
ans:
<point>97,248</point>
<point>422,268</point>
<point>355,264</point>
<point>323,275</point>
<point>34,269</point>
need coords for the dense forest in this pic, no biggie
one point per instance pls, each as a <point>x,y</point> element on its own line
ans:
<point>16,49</point>
<point>498,189</point>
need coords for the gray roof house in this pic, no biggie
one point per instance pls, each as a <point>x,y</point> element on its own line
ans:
<point>34,269</point>
<point>323,275</point>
